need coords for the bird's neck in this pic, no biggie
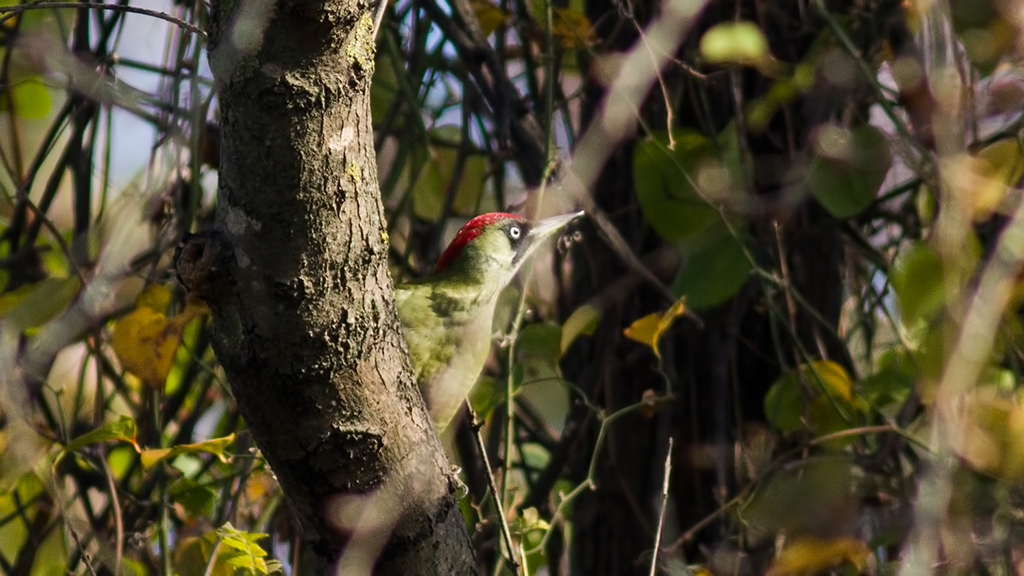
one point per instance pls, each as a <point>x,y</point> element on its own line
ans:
<point>474,279</point>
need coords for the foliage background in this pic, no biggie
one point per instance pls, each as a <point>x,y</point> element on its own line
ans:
<point>786,340</point>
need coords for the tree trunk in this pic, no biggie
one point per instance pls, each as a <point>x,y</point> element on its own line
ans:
<point>297,279</point>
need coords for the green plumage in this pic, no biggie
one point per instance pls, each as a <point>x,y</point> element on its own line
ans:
<point>447,315</point>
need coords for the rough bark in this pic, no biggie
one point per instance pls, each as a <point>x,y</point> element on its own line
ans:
<point>304,320</point>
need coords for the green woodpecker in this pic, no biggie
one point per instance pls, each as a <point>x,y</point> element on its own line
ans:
<point>446,316</point>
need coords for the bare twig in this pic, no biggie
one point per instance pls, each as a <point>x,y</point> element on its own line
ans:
<point>506,534</point>
<point>661,511</point>
<point>16,9</point>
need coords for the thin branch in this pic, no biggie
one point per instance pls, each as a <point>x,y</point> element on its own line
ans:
<point>16,9</point>
<point>661,512</point>
<point>506,534</point>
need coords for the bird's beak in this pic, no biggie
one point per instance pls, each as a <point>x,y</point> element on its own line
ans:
<point>541,231</point>
<point>550,226</point>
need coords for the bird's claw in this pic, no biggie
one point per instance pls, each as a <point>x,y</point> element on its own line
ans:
<point>461,489</point>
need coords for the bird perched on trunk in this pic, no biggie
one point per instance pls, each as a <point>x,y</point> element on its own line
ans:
<point>446,316</point>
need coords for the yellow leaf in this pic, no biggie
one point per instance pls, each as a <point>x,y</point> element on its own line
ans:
<point>982,180</point>
<point>571,28</point>
<point>145,343</point>
<point>489,15</point>
<point>833,377</point>
<point>155,296</point>
<point>649,329</point>
<point>145,340</point>
<point>811,555</point>
<point>645,331</point>
<point>993,439</point>
<point>152,456</point>
<point>215,446</point>
<point>258,485</point>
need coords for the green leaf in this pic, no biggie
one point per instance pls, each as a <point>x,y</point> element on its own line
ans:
<point>713,273</point>
<point>917,278</point>
<point>31,99</point>
<point>803,498</point>
<point>431,189</point>
<point>196,499</point>
<point>783,404</point>
<point>985,33</point>
<point>582,321</point>
<point>812,397</point>
<point>550,398</point>
<point>848,168</point>
<point>538,352</point>
<point>664,181</point>
<point>122,429</point>
<point>240,551</point>
<point>486,395</point>
<point>892,382</point>
<point>734,43</point>
<point>539,341</point>
<point>33,305</point>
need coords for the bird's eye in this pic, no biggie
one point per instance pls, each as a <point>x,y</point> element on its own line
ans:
<point>515,232</point>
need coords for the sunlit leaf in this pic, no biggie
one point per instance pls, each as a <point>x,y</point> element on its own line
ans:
<point>239,550</point>
<point>215,446</point>
<point>649,329</point>
<point>645,330</point>
<point>145,339</point>
<point>813,555</point>
<point>734,43</point>
<point>123,429</point>
<point>582,321</point>
<point>145,342</point>
<point>848,168</point>
<point>155,296</point>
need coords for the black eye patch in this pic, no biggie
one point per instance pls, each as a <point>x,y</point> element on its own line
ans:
<point>516,232</point>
